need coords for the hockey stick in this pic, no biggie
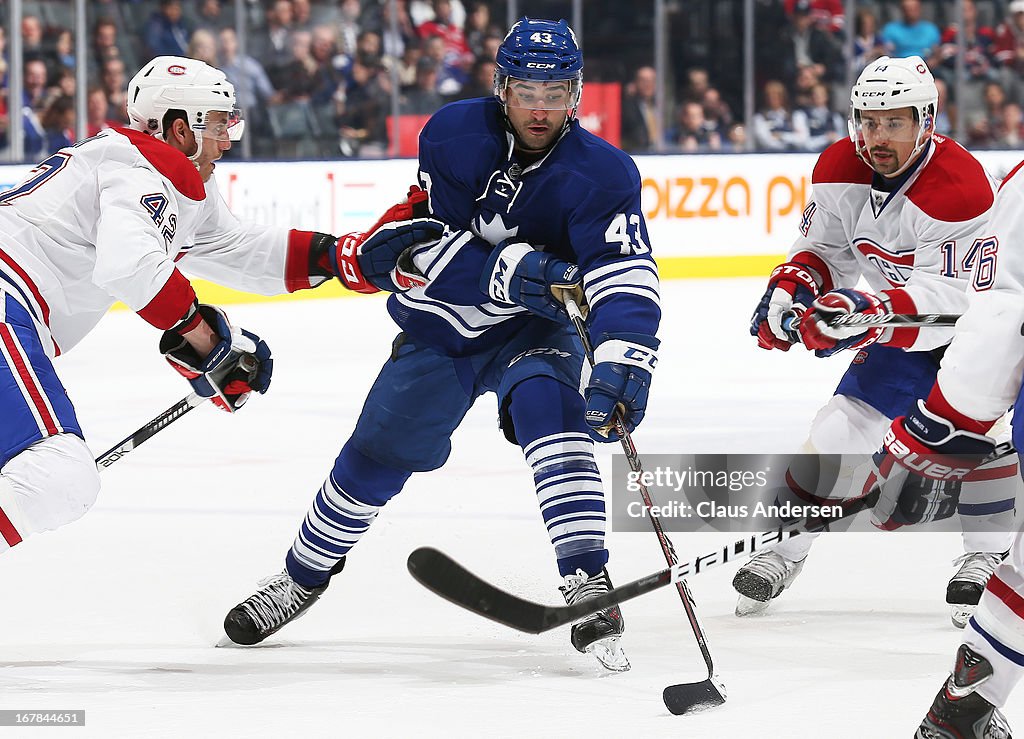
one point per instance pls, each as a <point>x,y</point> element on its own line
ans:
<point>791,320</point>
<point>246,363</point>
<point>685,697</point>
<point>441,574</point>
<point>158,424</point>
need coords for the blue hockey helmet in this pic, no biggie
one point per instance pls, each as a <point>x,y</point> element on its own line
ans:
<point>541,51</point>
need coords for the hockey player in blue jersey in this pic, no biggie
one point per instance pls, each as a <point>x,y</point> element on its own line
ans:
<point>533,204</point>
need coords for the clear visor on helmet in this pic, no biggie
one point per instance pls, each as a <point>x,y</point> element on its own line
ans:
<point>221,125</point>
<point>539,95</point>
<point>884,125</point>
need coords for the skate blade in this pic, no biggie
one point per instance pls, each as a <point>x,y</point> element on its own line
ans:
<point>609,654</point>
<point>960,614</point>
<point>749,607</point>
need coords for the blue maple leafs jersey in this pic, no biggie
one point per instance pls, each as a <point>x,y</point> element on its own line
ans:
<point>581,202</point>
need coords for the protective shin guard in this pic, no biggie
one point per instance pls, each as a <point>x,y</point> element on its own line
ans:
<point>345,506</point>
<point>548,418</point>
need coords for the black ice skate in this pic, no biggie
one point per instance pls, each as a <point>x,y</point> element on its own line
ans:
<point>597,634</point>
<point>278,601</point>
<point>960,713</point>
<point>762,578</point>
<point>965,588</point>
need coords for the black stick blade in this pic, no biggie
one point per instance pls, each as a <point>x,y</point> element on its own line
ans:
<point>693,697</point>
<point>444,576</point>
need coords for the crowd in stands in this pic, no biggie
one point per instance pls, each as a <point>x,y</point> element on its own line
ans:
<point>317,79</point>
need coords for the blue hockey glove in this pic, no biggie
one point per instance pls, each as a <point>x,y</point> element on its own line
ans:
<point>815,332</point>
<point>237,365</point>
<point>921,467</point>
<point>791,288</point>
<point>516,273</point>
<point>620,380</point>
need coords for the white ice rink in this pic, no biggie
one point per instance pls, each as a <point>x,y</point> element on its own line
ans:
<point>119,613</point>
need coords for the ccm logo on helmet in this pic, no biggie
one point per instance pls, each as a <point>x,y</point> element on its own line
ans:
<point>921,465</point>
<point>539,65</point>
<point>176,69</point>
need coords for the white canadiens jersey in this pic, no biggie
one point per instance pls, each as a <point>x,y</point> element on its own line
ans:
<point>108,218</point>
<point>981,371</point>
<point>915,246</point>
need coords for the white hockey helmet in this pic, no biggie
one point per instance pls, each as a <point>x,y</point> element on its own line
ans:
<point>177,83</point>
<point>890,83</point>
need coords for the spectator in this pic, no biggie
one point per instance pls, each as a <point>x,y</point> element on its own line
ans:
<point>449,79</point>
<point>96,112</point>
<point>1009,44</point>
<point>808,46</point>
<point>479,27</point>
<point>943,123</point>
<point>273,45</point>
<point>735,138</point>
<point>911,34</point>
<point>828,15</point>
<point>868,44</point>
<point>362,125</point>
<point>694,133</point>
<point>984,126</point>
<point>491,44</point>
<point>203,46</point>
<point>773,125</point>
<point>165,32</point>
<point>422,11</point>
<point>803,86</point>
<point>212,16</point>
<point>300,75</point>
<point>456,56</point>
<point>64,49</point>
<point>58,122</point>
<point>979,49</point>
<point>368,44</point>
<point>104,42</point>
<point>115,85</point>
<point>32,37</point>
<point>34,80</point>
<point>1011,133</point>
<point>3,65</point>
<point>253,91</point>
<point>65,83</point>
<point>330,66</point>
<point>716,110</point>
<point>395,44</point>
<point>641,129</point>
<point>302,16</point>
<point>481,80</point>
<point>348,26</point>
<point>823,125</point>
<point>407,64</point>
<point>423,98</point>
<point>697,83</point>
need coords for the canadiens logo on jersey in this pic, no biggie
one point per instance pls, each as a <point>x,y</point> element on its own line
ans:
<point>896,267</point>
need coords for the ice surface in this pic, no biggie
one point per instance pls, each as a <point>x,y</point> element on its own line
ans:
<point>118,614</point>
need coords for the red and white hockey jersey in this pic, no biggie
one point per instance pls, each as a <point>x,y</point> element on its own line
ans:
<point>981,371</point>
<point>915,246</point>
<point>108,218</point>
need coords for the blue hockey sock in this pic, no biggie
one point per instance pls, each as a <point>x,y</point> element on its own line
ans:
<point>548,418</point>
<point>343,510</point>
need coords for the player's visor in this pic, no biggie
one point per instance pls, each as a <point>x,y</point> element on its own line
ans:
<point>222,125</point>
<point>880,125</point>
<point>541,95</point>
